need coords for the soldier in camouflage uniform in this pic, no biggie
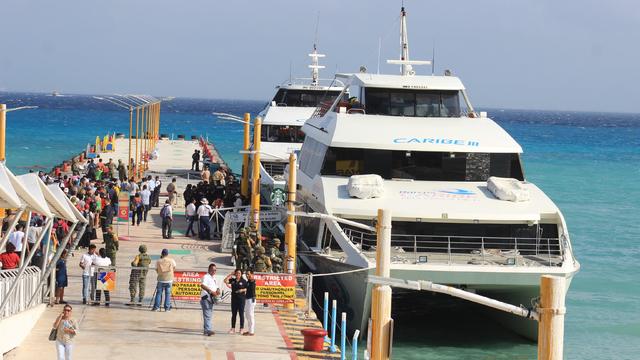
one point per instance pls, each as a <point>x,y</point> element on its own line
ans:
<point>111,244</point>
<point>242,251</point>
<point>261,262</point>
<point>275,256</point>
<point>138,278</point>
<point>254,235</point>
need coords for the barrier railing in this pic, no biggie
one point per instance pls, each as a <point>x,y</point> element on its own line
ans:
<point>454,249</point>
<point>20,297</point>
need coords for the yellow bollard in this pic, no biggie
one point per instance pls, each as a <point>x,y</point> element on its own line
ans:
<point>244,181</point>
<point>255,177</point>
<point>3,132</point>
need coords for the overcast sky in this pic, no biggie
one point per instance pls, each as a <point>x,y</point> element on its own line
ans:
<point>543,54</point>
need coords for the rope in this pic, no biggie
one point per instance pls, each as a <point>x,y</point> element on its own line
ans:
<point>340,272</point>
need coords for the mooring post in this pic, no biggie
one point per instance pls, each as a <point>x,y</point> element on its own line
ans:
<point>334,305</point>
<point>326,315</point>
<point>381,296</point>
<point>551,324</point>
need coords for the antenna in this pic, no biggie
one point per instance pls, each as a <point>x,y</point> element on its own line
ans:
<point>290,71</point>
<point>406,68</point>
<point>379,50</point>
<point>433,58</point>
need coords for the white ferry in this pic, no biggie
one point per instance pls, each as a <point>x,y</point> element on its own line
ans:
<point>282,119</point>
<point>437,159</point>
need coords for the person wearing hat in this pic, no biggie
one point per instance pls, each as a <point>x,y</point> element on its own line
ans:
<point>273,251</point>
<point>164,267</point>
<point>204,213</point>
<point>138,277</point>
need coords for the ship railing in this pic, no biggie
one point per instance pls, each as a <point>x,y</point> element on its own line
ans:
<point>458,249</point>
<point>274,168</point>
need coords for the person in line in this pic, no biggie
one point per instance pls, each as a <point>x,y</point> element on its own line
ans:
<point>166,213</point>
<point>190,213</point>
<point>238,287</point>
<point>111,244</point>
<point>156,192</point>
<point>17,238</point>
<point>62,280</point>
<point>205,174</point>
<point>250,304</point>
<point>151,184</point>
<point>9,259</point>
<point>204,214</point>
<point>210,290</point>
<point>138,277</point>
<point>122,171</point>
<point>85,263</point>
<point>106,217</point>
<point>102,263</point>
<point>195,160</point>
<point>145,195</point>
<point>164,267</point>
<point>136,209</point>
<point>66,330</point>
<point>172,192</point>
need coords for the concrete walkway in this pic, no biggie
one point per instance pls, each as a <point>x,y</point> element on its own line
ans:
<point>125,332</point>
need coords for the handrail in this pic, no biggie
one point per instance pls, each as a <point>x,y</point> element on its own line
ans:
<point>453,249</point>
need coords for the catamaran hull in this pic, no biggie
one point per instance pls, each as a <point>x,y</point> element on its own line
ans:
<point>353,293</point>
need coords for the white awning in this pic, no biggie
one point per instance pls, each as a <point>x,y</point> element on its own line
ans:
<point>8,197</point>
<point>41,193</point>
<point>64,200</point>
<point>27,188</point>
<point>283,115</point>
<point>418,82</point>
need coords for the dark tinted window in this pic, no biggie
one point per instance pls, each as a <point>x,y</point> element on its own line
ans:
<point>303,98</point>
<point>421,103</point>
<point>282,133</point>
<point>421,165</point>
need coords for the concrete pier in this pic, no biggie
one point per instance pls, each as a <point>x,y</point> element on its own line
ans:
<point>129,332</point>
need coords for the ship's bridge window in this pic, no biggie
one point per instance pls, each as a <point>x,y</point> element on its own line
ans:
<point>304,98</point>
<point>311,156</point>
<point>282,133</point>
<point>421,165</point>
<point>409,102</point>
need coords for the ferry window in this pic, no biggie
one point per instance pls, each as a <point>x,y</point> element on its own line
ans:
<point>303,98</point>
<point>420,165</point>
<point>311,156</point>
<point>282,133</point>
<point>421,103</point>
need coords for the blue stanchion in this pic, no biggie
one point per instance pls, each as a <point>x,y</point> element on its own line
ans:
<point>354,345</point>
<point>334,305</point>
<point>326,316</point>
<point>343,336</point>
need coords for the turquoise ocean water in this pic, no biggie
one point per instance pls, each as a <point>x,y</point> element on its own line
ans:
<point>588,163</point>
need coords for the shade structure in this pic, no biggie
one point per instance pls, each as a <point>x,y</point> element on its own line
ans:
<point>62,197</point>
<point>9,199</point>
<point>27,188</point>
<point>40,191</point>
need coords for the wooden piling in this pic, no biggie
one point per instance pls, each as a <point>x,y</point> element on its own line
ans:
<point>381,294</point>
<point>551,324</point>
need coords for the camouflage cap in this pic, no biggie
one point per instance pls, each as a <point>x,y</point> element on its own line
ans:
<point>259,250</point>
<point>276,241</point>
<point>243,231</point>
<point>142,248</point>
